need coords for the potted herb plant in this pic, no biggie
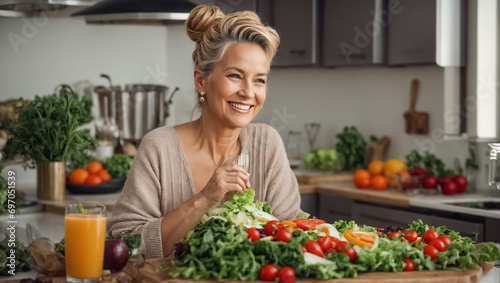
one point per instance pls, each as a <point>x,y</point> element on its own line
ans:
<point>46,135</point>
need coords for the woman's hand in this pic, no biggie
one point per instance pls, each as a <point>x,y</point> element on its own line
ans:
<point>226,179</point>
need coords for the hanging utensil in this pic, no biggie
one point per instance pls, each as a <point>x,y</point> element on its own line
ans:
<point>312,130</point>
<point>416,122</point>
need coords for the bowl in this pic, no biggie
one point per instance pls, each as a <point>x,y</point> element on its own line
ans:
<point>408,184</point>
<point>110,186</point>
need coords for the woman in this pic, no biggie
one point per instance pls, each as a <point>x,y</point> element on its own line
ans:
<point>178,173</point>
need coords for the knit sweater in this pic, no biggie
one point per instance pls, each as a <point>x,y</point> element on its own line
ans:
<point>160,180</point>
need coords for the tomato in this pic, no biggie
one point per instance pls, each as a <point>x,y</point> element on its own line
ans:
<point>253,234</point>
<point>449,188</point>
<point>304,250</point>
<point>409,264</point>
<point>438,244</point>
<point>418,172</point>
<point>104,175</point>
<point>308,224</point>
<point>334,240</point>
<point>410,236</point>
<point>379,183</point>
<point>326,244</point>
<point>283,235</point>
<point>429,183</point>
<point>340,246</point>
<point>314,248</point>
<point>93,180</point>
<point>94,167</point>
<point>351,253</point>
<point>461,183</point>
<point>430,235</point>
<point>286,274</point>
<point>271,227</point>
<point>364,183</point>
<point>446,240</point>
<point>78,176</point>
<point>394,235</point>
<point>268,272</point>
<point>431,251</point>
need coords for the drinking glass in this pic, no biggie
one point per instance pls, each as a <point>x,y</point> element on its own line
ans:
<point>85,230</point>
<point>243,160</point>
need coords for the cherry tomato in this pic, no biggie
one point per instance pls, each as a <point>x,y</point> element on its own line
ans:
<point>430,235</point>
<point>431,251</point>
<point>283,235</point>
<point>286,274</point>
<point>410,236</point>
<point>351,253</point>
<point>304,250</point>
<point>314,248</point>
<point>438,244</point>
<point>271,227</point>
<point>334,240</point>
<point>393,235</point>
<point>268,272</point>
<point>340,246</point>
<point>410,266</point>
<point>446,240</point>
<point>326,244</point>
<point>253,234</point>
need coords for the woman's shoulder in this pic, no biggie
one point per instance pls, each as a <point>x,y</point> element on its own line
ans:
<point>260,129</point>
<point>162,135</point>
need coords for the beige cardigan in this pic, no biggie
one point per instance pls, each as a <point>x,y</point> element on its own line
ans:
<point>160,180</point>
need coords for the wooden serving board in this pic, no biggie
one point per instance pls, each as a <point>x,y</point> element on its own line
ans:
<point>148,274</point>
<point>310,177</point>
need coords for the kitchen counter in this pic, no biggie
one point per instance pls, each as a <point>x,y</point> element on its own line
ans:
<point>51,225</point>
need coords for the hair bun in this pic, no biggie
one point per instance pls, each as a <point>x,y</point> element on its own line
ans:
<point>200,19</point>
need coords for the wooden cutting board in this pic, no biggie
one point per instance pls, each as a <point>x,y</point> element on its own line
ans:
<point>311,177</point>
<point>148,274</point>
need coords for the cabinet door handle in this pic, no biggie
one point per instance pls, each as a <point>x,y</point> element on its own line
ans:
<point>298,52</point>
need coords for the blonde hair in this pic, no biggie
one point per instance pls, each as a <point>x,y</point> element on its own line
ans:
<point>214,32</point>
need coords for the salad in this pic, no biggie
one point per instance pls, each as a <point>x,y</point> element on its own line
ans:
<point>242,240</point>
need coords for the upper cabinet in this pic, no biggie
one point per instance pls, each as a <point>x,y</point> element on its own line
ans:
<point>353,32</point>
<point>296,22</point>
<point>411,32</point>
<point>336,33</point>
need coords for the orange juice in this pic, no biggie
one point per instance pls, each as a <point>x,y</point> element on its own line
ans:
<point>84,241</point>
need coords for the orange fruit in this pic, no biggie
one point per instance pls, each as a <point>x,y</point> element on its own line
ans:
<point>93,180</point>
<point>363,183</point>
<point>94,167</point>
<point>78,176</point>
<point>404,173</point>
<point>376,167</point>
<point>379,182</point>
<point>104,175</point>
<point>392,168</point>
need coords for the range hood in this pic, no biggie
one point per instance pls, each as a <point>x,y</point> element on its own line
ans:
<point>137,11</point>
<point>27,8</point>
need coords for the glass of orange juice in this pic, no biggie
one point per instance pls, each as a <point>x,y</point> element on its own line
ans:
<point>85,231</point>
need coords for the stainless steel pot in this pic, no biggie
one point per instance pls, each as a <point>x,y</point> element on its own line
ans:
<point>135,108</point>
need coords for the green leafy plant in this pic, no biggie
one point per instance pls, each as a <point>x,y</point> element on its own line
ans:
<point>428,161</point>
<point>118,165</point>
<point>471,161</point>
<point>352,146</point>
<point>47,129</point>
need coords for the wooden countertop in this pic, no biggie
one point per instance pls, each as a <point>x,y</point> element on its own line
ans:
<point>156,270</point>
<point>347,189</point>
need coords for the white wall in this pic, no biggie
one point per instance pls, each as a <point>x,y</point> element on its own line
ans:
<point>58,49</point>
<point>371,98</point>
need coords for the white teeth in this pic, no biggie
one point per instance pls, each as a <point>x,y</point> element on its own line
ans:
<point>240,106</point>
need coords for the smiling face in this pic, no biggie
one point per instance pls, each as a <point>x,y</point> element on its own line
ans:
<point>236,89</point>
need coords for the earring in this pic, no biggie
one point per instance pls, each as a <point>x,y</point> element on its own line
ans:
<point>201,99</point>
